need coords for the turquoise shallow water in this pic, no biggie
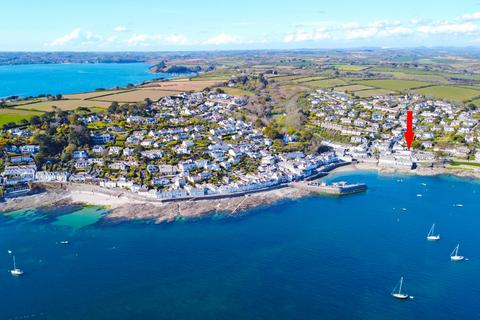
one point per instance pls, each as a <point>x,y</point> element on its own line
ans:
<point>314,258</point>
<point>35,79</point>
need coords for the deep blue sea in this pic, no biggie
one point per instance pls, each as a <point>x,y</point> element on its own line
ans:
<point>35,79</point>
<point>313,258</point>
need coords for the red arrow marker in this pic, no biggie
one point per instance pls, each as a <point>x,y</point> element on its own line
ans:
<point>409,134</point>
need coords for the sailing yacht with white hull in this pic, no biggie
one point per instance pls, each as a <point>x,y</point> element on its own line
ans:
<point>398,294</point>
<point>431,236</point>
<point>16,271</point>
<point>454,255</point>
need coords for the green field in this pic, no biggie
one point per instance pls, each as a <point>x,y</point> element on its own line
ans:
<point>352,88</point>
<point>438,79</point>
<point>348,67</point>
<point>327,83</point>
<point>286,77</point>
<point>372,93</point>
<point>132,96</point>
<point>307,79</point>
<point>64,105</point>
<point>91,95</point>
<point>476,102</point>
<point>464,163</point>
<point>237,91</point>
<point>452,93</point>
<point>14,115</point>
<point>394,85</point>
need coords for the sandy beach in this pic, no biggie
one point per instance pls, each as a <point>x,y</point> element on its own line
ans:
<point>126,205</point>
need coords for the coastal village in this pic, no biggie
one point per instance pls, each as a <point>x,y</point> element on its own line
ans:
<point>181,146</point>
<point>191,145</point>
<point>374,129</point>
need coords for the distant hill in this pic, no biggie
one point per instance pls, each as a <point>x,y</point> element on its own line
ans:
<point>162,67</point>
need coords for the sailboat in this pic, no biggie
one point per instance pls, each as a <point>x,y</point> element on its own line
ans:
<point>454,255</point>
<point>16,271</point>
<point>431,236</point>
<point>398,294</point>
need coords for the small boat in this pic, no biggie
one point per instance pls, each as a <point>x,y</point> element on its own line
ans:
<point>398,294</point>
<point>454,255</point>
<point>424,184</point>
<point>64,242</point>
<point>9,251</point>
<point>404,209</point>
<point>15,271</point>
<point>458,205</point>
<point>431,236</point>
<point>419,195</point>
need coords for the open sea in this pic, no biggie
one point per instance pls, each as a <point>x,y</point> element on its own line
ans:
<point>35,79</point>
<point>312,258</point>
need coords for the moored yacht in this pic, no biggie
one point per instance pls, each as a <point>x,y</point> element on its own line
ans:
<point>398,294</point>
<point>15,271</point>
<point>454,255</point>
<point>431,236</point>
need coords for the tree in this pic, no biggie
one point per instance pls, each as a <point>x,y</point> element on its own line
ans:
<point>113,107</point>
<point>271,132</point>
<point>35,120</point>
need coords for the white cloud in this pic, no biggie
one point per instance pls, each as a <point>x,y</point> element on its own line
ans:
<point>303,35</point>
<point>380,28</point>
<point>354,30</point>
<point>361,33</point>
<point>176,39</point>
<point>395,31</point>
<point>120,29</point>
<point>150,39</point>
<point>448,28</point>
<point>220,39</point>
<point>137,39</point>
<point>69,37</point>
<point>471,16</point>
<point>90,36</point>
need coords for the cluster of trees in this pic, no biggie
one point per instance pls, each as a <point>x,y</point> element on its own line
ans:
<point>137,109</point>
<point>60,142</point>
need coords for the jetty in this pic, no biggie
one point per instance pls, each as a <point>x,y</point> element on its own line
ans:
<point>336,188</point>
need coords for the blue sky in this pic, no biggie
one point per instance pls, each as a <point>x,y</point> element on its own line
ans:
<point>145,25</point>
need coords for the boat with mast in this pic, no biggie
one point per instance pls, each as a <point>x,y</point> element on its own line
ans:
<point>454,255</point>
<point>398,294</point>
<point>431,236</point>
<point>15,271</point>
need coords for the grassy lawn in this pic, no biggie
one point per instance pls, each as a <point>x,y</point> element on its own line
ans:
<point>450,93</point>
<point>394,85</point>
<point>13,115</point>
<point>462,163</point>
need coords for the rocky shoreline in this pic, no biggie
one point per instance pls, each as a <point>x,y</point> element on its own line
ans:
<point>124,205</point>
